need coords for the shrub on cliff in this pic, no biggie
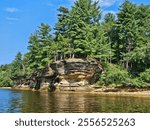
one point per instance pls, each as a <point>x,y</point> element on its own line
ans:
<point>114,74</point>
<point>145,76</point>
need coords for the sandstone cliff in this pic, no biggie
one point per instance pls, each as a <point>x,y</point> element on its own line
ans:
<point>70,75</point>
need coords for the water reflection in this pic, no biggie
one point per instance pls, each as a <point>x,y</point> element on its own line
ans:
<point>26,101</point>
<point>10,101</point>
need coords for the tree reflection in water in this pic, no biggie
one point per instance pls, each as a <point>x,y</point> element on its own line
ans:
<point>27,101</point>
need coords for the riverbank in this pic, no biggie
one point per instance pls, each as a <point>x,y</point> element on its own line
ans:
<point>5,87</point>
<point>125,93</point>
<point>134,92</point>
<point>16,88</point>
<point>115,92</point>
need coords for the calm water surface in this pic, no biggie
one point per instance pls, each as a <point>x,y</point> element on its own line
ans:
<point>27,101</point>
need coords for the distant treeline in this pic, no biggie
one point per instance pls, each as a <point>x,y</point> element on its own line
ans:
<point>121,42</point>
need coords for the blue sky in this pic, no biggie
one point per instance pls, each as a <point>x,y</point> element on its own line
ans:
<point>20,18</point>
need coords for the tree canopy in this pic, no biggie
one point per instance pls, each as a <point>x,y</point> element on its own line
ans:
<point>120,41</point>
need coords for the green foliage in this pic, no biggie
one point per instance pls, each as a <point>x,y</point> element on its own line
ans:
<point>132,39</point>
<point>5,76</point>
<point>127,31</point>
<point>135,82</point>
<point>114,74</point>
<point>123,40</point>
<point>109,18</point>
<point>18,68</point>
<point>39,54</point>
<point>5,80</point>
<point>108,28</point>
<point>77,29</point>
<point>145,76</point>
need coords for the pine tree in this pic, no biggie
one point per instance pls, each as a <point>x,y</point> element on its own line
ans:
<point>18,67</point>
<point>62,43</point>
<point>140,55</point>
<point>40,46</point>
<point>85,15</point>
<point>75,28</point>
<point>109,28</point>
<point>127,31</point>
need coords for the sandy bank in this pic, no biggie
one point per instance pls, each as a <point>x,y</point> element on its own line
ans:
<point>103,92</point>
<point>115,92</point>
<point>123,93</point>
<point>5,88</point>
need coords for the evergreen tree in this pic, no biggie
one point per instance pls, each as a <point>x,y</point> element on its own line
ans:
<point>109,29</point>
<point>140,56</point>
<point>109,18</point>
<point>76,28</point>
<point>18,68</point>
<point>127,30</point>
<point>62,45</point>
<point>85,16</point>
<point>40,44</point>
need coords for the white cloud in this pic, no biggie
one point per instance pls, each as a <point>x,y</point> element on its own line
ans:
<point>103,3</point>
<point>107,3</point>
<point>12,19</point>
<point>11,10</point>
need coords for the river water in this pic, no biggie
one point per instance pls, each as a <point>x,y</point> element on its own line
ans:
<point>26,101</point>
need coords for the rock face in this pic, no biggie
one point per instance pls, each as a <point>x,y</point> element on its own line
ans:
<point>75,74</point>
<point>68,75</point>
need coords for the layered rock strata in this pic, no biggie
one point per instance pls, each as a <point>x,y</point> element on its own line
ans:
<point>67,75</point>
